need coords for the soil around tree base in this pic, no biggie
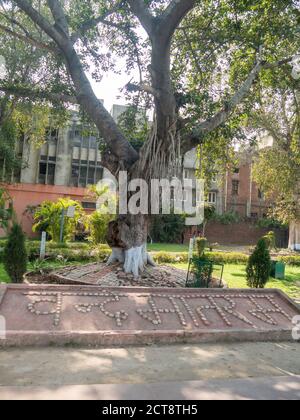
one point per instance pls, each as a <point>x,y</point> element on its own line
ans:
<point>113,276</point>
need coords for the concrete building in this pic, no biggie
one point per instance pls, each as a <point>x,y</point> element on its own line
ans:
<point>67,162</point>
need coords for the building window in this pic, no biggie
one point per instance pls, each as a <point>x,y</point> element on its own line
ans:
<point>236,170</point>
<point>88,205</point>
<point>212,198</point>
<point>186,174</point>
<point>47,170</point>
<point>79,138</point>
<point>85,173</point>
<point>235,187</point>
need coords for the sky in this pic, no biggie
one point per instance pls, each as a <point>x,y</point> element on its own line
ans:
<point>109,88</point>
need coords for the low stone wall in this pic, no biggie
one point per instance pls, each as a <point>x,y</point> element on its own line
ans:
<point>88,315</point>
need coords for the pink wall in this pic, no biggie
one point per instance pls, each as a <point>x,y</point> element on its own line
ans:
<point>24,195</point>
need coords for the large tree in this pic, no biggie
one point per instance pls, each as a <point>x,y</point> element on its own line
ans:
<point>198,61</point>
<point>277,166</point>
<point>23,65</point>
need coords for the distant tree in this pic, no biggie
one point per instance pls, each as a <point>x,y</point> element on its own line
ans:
<point>6,209</point>
<point>277,167</point>
<point>259,266</point>
<point>15,255</point>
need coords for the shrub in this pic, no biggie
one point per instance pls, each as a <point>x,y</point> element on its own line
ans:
<point>170,257</point>
<point>290,260</point>
<point>15,254</point>
<point>167,228</point>
<point>228,218</point>
<point>201,244</point>
<point>6,209</point>
<point>216,257</point>
<point>270,240</point>
<point>227,257</point>
<point>48,218</point>
<point>270,223</point>
<point>259,266</point>
<point>98,226</point>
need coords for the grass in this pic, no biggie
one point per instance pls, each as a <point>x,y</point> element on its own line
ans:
<point>3,275</point>
<point>168,247</point>
<point>235,277</point>
<point>45,266</point>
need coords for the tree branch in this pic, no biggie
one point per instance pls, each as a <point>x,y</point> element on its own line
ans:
<point>42,22</point>
<point>29,39</point>
<point>174,14</point>
<point>59,16</point>
<point>85,95</point>
<point>23,92</point>
<point>142,87</point>
<point>141,11</point>
<point>91,23</point>
<point>221,117</point>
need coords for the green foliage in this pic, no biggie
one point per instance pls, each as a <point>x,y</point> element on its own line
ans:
<point>293,260</point>
<point>227,257</point>
<point>269,222</point>
<point>97,222</point>
<point>98,227</point>
<point>202,270</point>
<point>224,38</point>
<point>167,228</point>
<point>277,174</point>
<point>201,244</point>
<point>259,266</point>
<point>216,257</point>
<point>69,252</point>
<point>170,257</point>
<point>134,124</point>
<point>15,254</point>
<point>48,218</point>
<point>6,209</point>
<point>270,240</point>
<point>228,218</point>
<point>8,139</point>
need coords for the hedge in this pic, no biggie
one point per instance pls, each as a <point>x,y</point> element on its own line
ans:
<point>85,252</point>
<point>217,257</point>
<point>290,260</point>
<point>70,251</point>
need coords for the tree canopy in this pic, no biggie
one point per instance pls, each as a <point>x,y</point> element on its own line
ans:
<point>198,61</point>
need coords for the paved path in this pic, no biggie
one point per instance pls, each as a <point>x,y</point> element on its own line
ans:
<point>135,365</point>
<point>278,388</point>
<point>181,371</point>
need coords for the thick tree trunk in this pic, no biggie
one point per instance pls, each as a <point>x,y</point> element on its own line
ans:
<point>294,239</point>
<point>127,237</point>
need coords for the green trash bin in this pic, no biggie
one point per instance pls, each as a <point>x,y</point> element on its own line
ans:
<point>280,271</point>
<point>273,269</point>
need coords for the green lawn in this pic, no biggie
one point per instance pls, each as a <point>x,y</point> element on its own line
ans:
<point>168,247</point>
<point>32,267</point>
<point>235,277</point>
<point>3,275</point>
